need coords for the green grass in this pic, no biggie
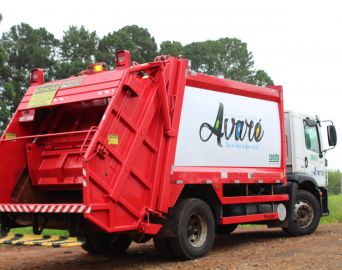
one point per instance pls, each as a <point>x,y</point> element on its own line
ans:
<point>335,207</point>
<point>28,230</point>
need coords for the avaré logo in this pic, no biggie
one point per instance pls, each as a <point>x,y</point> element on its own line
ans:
<point>241,129</point>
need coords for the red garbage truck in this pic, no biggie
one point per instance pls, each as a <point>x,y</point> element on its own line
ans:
<point>158,151</point>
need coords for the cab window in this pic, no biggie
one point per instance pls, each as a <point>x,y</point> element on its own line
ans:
<point>311,138</point>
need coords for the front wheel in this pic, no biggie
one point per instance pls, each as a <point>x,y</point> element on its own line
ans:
<point>306,213</point>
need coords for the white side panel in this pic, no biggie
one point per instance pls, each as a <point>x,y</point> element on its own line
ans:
<point>298,144</point>
<point>203,138</point>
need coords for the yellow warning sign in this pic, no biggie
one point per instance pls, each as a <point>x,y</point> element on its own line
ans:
<point>10,136</point>
<point>113,139</point>
<point>43,95</point>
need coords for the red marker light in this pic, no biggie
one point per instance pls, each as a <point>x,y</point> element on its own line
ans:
<point>123,59</point>
<point>37,76</point>
<point>27,116</point>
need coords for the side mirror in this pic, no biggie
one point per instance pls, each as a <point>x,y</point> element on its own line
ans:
<point>332,136</point>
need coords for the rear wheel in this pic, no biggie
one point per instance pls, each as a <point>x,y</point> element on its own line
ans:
<point>163,247</point>
<point>195,229</point>
<point>307,215</point>
<point>102,243</point>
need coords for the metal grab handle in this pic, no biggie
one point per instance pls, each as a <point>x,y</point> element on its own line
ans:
<point>91,130</point>
<point>46,135</point>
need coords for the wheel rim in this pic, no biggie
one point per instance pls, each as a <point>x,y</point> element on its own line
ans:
<point>197,230</point>
<point>304,213</point>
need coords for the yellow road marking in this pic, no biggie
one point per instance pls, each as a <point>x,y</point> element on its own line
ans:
<point>70,242</point>
<point>3,239</point>
<point>26,238</point>
<point>41,240</point>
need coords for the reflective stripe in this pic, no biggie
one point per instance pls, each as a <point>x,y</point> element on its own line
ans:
<point>44,208</point>
<point>66,208</point>
<point>80,210</point>
<point>38,208</point>
<point>19,208</point>
<point>73,209</point>
<point>59,208</point>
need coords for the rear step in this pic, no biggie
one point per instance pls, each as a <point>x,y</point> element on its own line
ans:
<point>41,240</point>
<point>45,208</point>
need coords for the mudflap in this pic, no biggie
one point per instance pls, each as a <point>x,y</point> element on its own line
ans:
<point>292,190</point>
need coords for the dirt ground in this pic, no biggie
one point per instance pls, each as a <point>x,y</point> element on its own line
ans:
<point>255,248</point>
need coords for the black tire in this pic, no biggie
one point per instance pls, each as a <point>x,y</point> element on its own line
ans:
<point>307,214</point>
<point>163,247</point>
<point>286,230</point>
<point>194,228</point>
<point>226,229</point>
<point>108,244</point>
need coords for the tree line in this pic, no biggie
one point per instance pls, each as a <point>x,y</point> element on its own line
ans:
<point>23,48</point>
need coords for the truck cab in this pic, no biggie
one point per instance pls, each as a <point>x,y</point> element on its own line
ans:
<point>306,162</point>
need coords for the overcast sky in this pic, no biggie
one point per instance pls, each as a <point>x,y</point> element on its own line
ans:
<point>298,43</point>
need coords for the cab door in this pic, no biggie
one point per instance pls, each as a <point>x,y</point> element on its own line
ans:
<point>314,161</point>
